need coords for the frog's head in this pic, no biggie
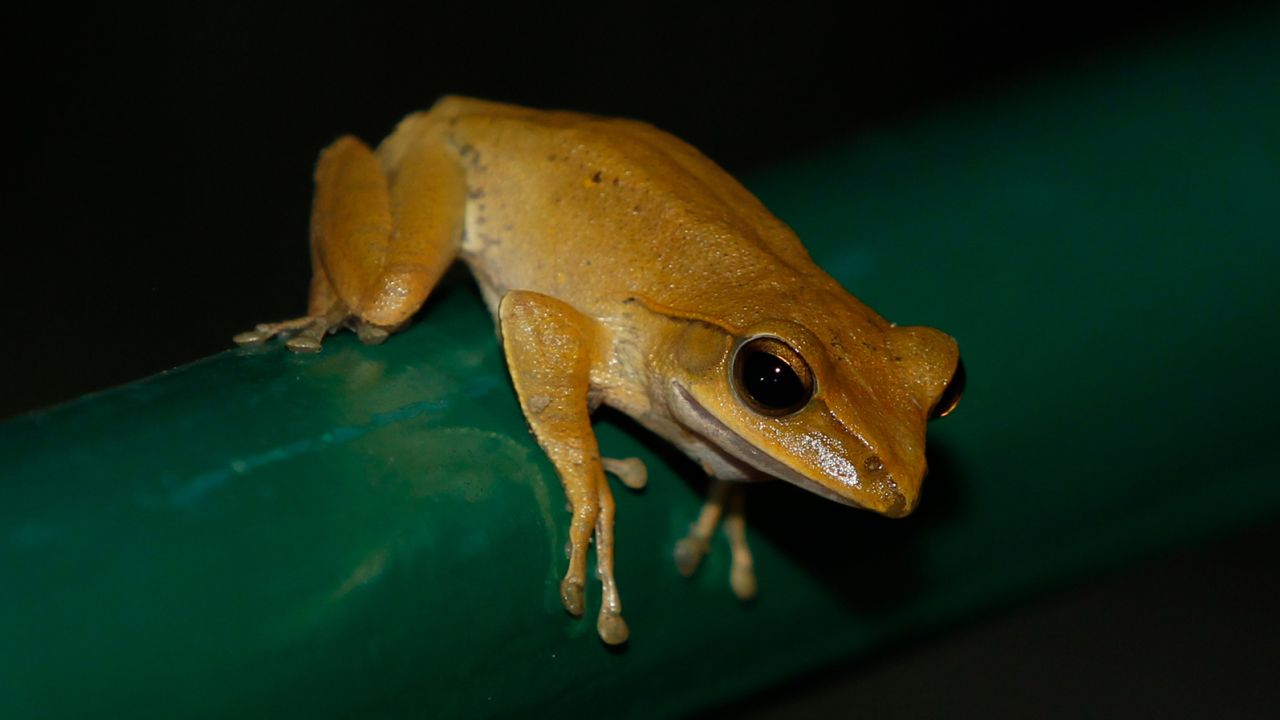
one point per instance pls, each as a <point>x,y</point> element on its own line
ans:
<point>838,410</point>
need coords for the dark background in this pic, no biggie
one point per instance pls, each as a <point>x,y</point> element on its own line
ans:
<point>157,199</point>
<point>159,170</point>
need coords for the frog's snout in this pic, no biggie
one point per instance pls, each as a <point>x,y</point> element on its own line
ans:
<point>889,496</point>
<point>900,504</point>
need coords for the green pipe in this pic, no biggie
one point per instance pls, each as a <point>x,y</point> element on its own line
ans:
<point>371,531</point>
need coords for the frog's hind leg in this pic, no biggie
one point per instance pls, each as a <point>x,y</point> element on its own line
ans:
<point>550,348</point>
<point>378,244</point>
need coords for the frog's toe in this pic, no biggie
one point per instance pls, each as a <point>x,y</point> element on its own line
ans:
<point>256,336</point>
<point>311,337</point>
<point>571,596</point>
<point>369,333</point>
<point>612,628</point>
<point>742,578</point>
<point>303,344</point>
<point>631,471</point>
<point>263,332</point>
<point>742,574</point>
<point>689,553</point>
<point>305,333</point>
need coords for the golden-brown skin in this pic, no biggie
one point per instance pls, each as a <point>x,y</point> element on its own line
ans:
<point>627,269</point>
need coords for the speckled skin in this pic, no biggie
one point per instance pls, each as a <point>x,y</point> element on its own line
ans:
<point>625,268</point>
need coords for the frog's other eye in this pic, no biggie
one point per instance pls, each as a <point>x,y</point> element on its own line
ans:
<point>951,396</point>
<point>771,377</point>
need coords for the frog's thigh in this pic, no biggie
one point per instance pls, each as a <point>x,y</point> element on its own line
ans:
<point>350,225</point>
<point>380,245</point>
<point>549,348</point>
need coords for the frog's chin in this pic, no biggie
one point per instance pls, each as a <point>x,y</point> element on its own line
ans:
<point>737,451</point>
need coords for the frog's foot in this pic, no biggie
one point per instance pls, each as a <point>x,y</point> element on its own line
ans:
<point>630,471</point>
<point>693,547</point>
<point>610,624</point>
<point>306,334</point>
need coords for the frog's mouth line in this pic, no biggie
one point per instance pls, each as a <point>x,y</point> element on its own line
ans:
<point>693,416</point>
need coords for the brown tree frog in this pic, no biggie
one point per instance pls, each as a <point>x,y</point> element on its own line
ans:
<point>624,268</point>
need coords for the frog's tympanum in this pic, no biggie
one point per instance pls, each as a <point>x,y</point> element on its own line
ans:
<point>624,268</point>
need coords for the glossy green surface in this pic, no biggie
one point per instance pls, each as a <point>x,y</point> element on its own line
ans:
<point>371,531</point>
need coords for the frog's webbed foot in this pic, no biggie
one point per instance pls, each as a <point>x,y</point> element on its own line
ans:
<point>694,546</point>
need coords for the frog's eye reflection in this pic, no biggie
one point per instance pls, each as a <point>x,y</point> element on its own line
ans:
<point>951,396</point>
<point>771,377</point>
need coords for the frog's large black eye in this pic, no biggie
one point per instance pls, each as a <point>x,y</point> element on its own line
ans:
<point>771,377</point>
<point>951,396</point>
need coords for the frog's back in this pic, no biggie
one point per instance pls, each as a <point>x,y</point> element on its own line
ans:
<point>594,211</point>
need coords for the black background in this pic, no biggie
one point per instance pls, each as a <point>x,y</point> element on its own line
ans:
<point>157,196</point>
<point>160,167</point>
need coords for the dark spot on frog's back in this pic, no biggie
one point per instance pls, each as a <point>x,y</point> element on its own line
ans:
<point>597,177</point>
<point>873,464</point>
<point>469,153</point>
<point>475,193</point>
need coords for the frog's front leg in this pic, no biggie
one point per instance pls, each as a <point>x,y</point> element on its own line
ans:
<point>378,246</point>
<point>550,349</point>
<point>723,496</point>
<point>742,572</point>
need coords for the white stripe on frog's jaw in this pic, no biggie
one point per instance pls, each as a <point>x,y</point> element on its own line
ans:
<point>696,418</point>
